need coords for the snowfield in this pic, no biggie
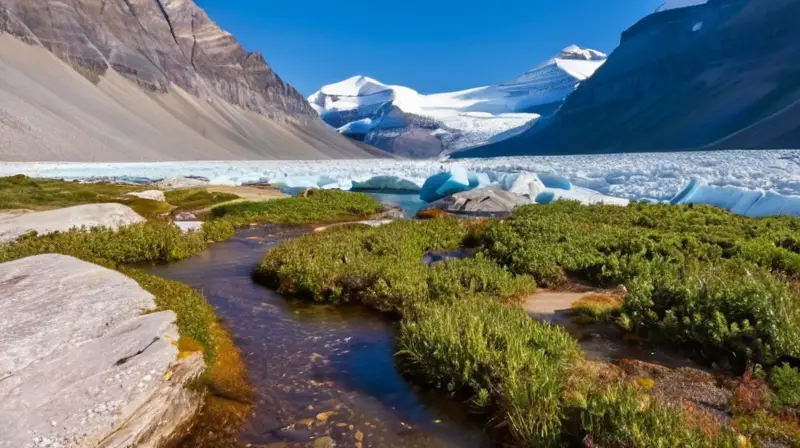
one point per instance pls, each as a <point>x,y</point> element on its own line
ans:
<point>360,105</point>
<point>650,176</point>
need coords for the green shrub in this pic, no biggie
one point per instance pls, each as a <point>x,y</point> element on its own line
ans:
<point>727,310</point>
<point>785,382</point>
<point>383,267</point>
<point>152,241</point>
<point>488,349</point>
<point>189,199</point>
<point>314,206</point>
<point>698,276</point>
<point>218,230</point>
<point>624,416</point>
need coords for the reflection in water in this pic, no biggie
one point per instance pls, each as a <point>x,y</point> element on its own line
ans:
<point>310,363</point>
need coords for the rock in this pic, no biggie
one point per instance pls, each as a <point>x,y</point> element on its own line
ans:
<point>305,423</point>
<point>185,216</point>
<point>152,195</point>
<point>190,226</point>
<point>483,201</point>
<point>174,183</point>
<point>390,212</point>
<point>111,216</point>
<point>324,442</point>
<point>75,349</point>
<point>324,416</point>
<point>431,213</point>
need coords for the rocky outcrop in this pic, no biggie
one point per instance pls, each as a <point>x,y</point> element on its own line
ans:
<point>150,195</point>
<point>156,43</point>
<point>145,80</point>
<point>81,364</point>
<point>487,201</point>
<point>721,75</point>
<point>113,216</point>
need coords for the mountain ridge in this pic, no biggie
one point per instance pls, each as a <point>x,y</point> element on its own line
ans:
<point>694,75</point>
<point>190,71</point>
<point>399,119</point>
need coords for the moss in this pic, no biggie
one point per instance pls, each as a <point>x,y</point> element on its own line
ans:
<point>148,208</point>
<point>316,206</point>
<point>596,307</point>
<point>22,192</point>
<point>191,199</point>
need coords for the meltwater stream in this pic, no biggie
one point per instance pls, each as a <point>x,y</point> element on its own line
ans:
<point>305,359</point>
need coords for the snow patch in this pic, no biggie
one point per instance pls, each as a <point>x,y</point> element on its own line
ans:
<point>462,119</point>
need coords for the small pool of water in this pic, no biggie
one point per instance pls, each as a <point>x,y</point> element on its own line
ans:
<point>306,359</point>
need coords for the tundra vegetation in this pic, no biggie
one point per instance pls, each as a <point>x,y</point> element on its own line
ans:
<point>721,286</point>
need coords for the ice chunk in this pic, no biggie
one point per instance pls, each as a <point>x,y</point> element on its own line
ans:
<point>545,197</point>
<point>445,183</point>
<point>522,183</point>
<point>387,184</point>
<point>477,180</point>
<point>458,182</point>
<point>582,195</point>
<point>554,181</point>
<point>742,201</point>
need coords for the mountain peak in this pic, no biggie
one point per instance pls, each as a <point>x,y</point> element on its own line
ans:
<point>574,52</point>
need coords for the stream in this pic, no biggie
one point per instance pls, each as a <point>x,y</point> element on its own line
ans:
<point>306,359</point>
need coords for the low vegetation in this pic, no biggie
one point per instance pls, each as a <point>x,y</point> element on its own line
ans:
<point>596,307</point>
<point>191,199</point>
<point>383,268</point>
<point>697,277</point>
<point>509,364</point>
<point>314,206</point>
<point>22,192</point>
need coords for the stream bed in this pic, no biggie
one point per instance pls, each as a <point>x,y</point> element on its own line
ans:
<point>306,360</point>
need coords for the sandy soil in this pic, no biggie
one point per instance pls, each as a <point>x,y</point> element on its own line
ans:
<point>49,112</point>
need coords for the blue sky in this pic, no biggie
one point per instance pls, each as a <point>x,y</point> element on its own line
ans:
<point>428,45</point>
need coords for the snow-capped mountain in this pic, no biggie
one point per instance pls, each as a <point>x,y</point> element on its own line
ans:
<point>404,121</point>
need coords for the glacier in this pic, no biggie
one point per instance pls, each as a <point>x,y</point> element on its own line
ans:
<point>654,177</point>
<point>400,119</point>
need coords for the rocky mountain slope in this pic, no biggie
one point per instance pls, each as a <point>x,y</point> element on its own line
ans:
<point>717,74</point>
<point>403,121</point>
<point>158,81</point>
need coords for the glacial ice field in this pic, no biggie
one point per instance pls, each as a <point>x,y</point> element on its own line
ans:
<point>642,176</point>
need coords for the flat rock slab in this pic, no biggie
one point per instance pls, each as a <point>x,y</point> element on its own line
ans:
<point>80,362</point>
<point>152,195</point>
<point>61,220</point>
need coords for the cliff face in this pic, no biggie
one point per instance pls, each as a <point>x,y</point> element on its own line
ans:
<point>159,81</point>
<point>722,75</point>
<point>155,43</point>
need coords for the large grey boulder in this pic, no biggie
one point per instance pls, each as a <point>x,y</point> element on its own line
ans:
<point>482,201</point>
<point>61,220</point>
<point>80,362</point>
